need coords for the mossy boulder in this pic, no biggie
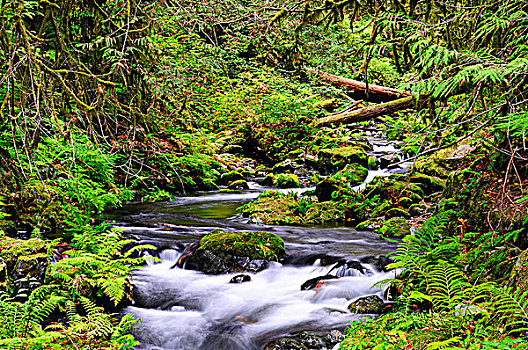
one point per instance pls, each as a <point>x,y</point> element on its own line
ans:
<point>368,225</point>
<point>286,181</point>
<point>394,189</point>
<point>238,185</point>
<point>395,227</point>
<point>230,176</point>
<point>369,304</point>
<point>223,252</point>
<point>350,176</point>
<point>267,180</point>
<point>334,159</point>
<point>429,184</point>
<point>438,167</point>
<point>287,166</point>
<point>23,263</point>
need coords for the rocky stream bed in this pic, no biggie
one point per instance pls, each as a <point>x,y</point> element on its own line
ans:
<point>302,301</point>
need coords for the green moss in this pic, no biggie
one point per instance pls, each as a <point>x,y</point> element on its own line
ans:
<point>255,245</point>
<point>286,181</point>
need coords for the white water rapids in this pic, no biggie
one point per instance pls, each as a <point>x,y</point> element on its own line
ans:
<point>186,310</point>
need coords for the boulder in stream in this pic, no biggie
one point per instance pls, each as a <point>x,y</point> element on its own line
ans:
<point>222,252</point>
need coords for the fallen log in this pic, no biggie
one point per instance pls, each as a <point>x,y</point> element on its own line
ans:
<point>361,90</point>
<point>370,112</point>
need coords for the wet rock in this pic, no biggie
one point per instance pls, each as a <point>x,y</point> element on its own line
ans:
<point>314,282</point>
<point>223,263</point>
<point>349,268</point>
<point>370,304</point>
<point>335,336</point>
<point>240,278</point>
<point>386,160</point>
<point>323,259</point>
<point>238,185</point>
<point>307,340</point>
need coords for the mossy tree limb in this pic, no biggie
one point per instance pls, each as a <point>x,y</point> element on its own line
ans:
<point>374,111</point>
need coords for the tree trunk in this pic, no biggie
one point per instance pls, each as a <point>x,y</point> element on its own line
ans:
<point>361,90</point>
<point>373,111</point>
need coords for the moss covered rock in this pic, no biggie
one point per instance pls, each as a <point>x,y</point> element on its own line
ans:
<point>396,227</point>
<point>238,185</point>
<point>23,263</point>
<point>369,304</point>
<point>286,181</point>
<point>337,158</point>
<point>230,177</point>
<point>429,184</point>
<point>254,245</point>
<point>343,180</point>
<point>288,166</point>
<point>223,252</point>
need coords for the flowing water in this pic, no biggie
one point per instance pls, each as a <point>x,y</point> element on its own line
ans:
<point>184,309</point>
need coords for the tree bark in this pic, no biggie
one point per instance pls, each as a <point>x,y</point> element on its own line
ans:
<point>361,90</point>
<point>370,112</point>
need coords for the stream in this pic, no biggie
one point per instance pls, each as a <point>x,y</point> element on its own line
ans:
<point>185,309</point>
